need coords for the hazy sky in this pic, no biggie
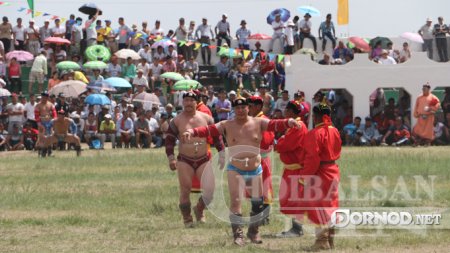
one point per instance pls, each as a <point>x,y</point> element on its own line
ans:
<point>367,18</point>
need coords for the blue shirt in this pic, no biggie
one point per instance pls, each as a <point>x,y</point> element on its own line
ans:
<point>325,28</point>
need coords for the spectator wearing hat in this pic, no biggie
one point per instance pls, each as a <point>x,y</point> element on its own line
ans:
<point>289,38</point>
<point>223,31</point>
<point>242,35</point>
<point>45,31</point>
<point>426,31</point>
<point>326,30</point>
<point>140,80</point>
<point>278,32</point>
<point>15,112</point>
<point>5,33</point>
<point>18,33</point>
<point>440,33</point>
<point>205,38</point>
<point>305,26</point>
<point>58,30</point>
<point>32,38</point>
<point>385,59</point>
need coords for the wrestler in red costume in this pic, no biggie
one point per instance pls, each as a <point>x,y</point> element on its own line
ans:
<point>255,104</point>
<point>291,149</point>
<point>320,175</point>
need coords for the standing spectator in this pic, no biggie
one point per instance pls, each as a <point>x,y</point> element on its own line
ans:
<point>305,26</point>
<point>136,40</point>
<point>426,106</point>
<point>123,34</point>
<point>45,31</point>
<point>91,32</point>
<point>296,31</point>
<point>205,38</point>
<point>129,70</point>
<point>191,52</point>
<point>125,130</point>
<point>108,131</point>
<point>426,31</point>
<point>222,31</point>
<point>19,35</point>
<point>278,32</point>
<point>405,53</point>
<point>440,33</point>
<point>145,29</point>
<point>69,25</point>
<point>29,111</point>
<point>77,36</point>
<point>397,134</point>
<point>223,106</point>
<point>242,35</point>
<point>181,34</point>
<point>38,72</point>
<point>5,34</point>
<point>326,30</point>
<point>58,30</point>
<point>15,113</point>
<point>14,75</point>
<point>110,37</point>
<point>289,38</point>
<point>157,30</point>
<point>282,101</point>
<point>32,38</point>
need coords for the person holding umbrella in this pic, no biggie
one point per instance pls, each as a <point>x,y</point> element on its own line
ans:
<point>305,31</point>
<point>91,32</point>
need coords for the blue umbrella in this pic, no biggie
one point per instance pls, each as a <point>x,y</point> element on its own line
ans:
<point>97,99</point>
<point>90,9</point>
<point>118,82</point>
<point>309,9</point>
<point>285,15</point>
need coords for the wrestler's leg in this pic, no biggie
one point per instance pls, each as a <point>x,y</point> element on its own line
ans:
<point>236,186</point>
<point>206,175</point>
<point>257,215</point>
<point>185,174</point>
<point>73,139</point>
<point>50,141</point>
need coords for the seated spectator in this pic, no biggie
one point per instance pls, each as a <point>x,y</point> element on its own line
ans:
<point>326,60</point>
<point>114,69</point>
<point>170,112</point>
<point>144,66</point>
<point>397,135</point>
<point>376,52</point>
<point>125,130</point>
<point>54,80</point>
<point>79,122</point>
<point>223,67</point>
<point>350,132</point>
<point>156,70</point>
<point>159,55</point>
<point>405,53</point>
<point>140,80</point>
<point>3,135</point>
<point>341,52</point>
<point>29,136</point>
<point>394,53</point>
<point>368,134</point>
<point>14,140</point>
<point>192,68</point>
<point>156,133</point>
<point>385,59</point>
<point>108,131</point>
<point>129,70</point>
<point>441,133</point>
<point>91,129</point>
<point>142,132</point>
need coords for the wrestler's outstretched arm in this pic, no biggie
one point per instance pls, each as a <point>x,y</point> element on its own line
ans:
<point>278,125</point>
<point>215,130</point>
<point>171,140</point>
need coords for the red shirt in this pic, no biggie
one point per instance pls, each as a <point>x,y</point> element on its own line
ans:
<point>14,70</point>
<point>291,145</point>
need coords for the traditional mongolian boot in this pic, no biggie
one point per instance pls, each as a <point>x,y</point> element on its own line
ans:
<point>331,234</point>
<point>187,217</point>
<point>199,210</point>
<point>266,220</point>
<point>257,216</point>
<point>78,149</point>
<point>236,226</point>
<point>322,240</point>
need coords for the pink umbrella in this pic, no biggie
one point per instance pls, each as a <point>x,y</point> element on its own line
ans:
<point>148,100</point>
<point>360,43</point>
<point>20,55</point>
<point>259,36</point>
<point>57,41</point>
<point>415,37</point>
<point>164,43</point>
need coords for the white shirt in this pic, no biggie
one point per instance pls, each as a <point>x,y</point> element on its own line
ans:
<point>19,32</point>
<point>223,27</point>
<point>305,24</point>
<point>289,32</point>
<point>281,104</point>
<point>15,108</point>
<point>140,81</point>
<point>145,68</point>
<point>58,30</point>
<point>30,30</point>
<point>91,32</point>
<point>427,32</point>
<point>275,25</point>
<point>181,33</point>
<point>153,125</point>
<point>29,108</point>
<point>159,56</point>
<point>78,33</point>
<point>388,61</point>
<point>146,55</point>
<point>157,32</point>
<point>156,70</point>
<point>243,34</point>
<point>205,31</point>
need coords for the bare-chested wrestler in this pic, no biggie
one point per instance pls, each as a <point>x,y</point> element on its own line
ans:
<point>61,126</point>
<point>192,158</point>
<point>44,112</point>
<point>244,165</point>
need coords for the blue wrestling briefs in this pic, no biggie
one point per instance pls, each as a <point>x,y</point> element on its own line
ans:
<point>247,175</point>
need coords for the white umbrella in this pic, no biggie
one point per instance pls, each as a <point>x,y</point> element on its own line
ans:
<point>147,99</point>
<point>125,53</point>
<point>4,93</point>
<point>70,88</point>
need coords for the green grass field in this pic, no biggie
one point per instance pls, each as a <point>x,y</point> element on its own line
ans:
<point>127,201</point>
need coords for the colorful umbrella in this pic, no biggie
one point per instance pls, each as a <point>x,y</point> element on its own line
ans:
<point>98,53</point>
<point>309,9</point>
<point>384,41</point>
<point>172,76</point>
<point>229,53</point>
<point>20,55</point>
<point>164,43</point>
<point>187,85</point>
<point>70,88</point>
<point>285,15</point>
<point>415,37</point>
<point>118,82</point>
<point>259,36</point>
<point>66,65</point>
<point>90,9</point>
<point>57,41</point>
<point>125,53</point>
<point>4,93</point>
<point>97,99</point>
<point>95,65</point>
<point>360,43</point>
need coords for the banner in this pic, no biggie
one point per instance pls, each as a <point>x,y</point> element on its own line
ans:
<point>342,16</point>
<point>31,6</point>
